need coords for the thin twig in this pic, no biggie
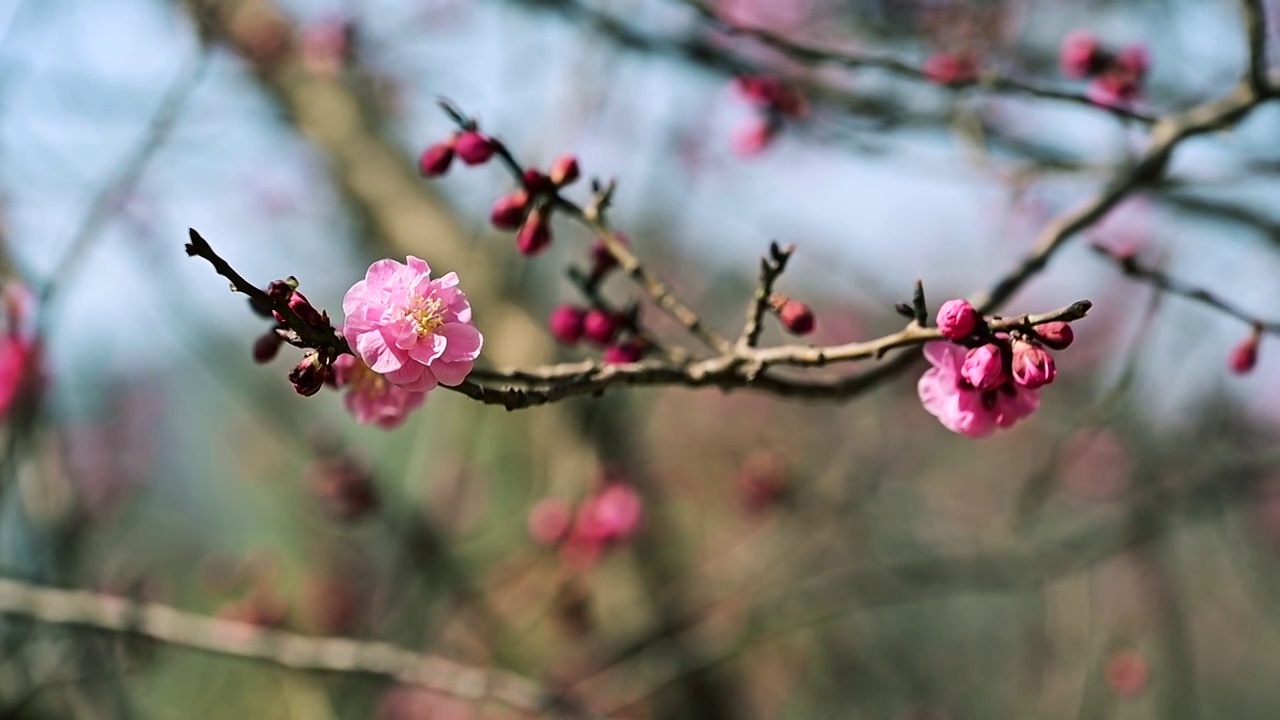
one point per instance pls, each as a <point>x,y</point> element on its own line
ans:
<point>771,268</point>
<point>1173,286</point>
<point>109,613</point>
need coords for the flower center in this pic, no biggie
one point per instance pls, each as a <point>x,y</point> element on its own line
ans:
<point>427,314</point>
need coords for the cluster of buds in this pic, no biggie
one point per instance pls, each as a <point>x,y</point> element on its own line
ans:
<point>1116,77</point>
<point>994,360</point>
<point>469,145</point>
<point>795,316</point>
<point>775,102</point>
<point>618,333</point>
<point>951,68</point>
<point>609,517</point>
<point>316,367</point>
<point>528,209</point>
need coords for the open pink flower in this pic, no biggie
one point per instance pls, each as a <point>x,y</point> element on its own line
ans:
<point>371,398</point>
<point>962,408</point>
<point>413,330</point>
<point>612,515</point>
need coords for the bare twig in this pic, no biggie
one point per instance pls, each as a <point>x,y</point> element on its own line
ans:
<point>109,613</point>
<point>1163,282</point>
<point>812,55</point>
<point>771,268</point>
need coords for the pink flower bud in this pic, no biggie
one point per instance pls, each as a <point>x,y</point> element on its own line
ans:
<point>613,515</point>
<point>1082,55</point>
<point>1056,335</point>
<point>309,375</point>
<point>599,326</point>
<point>474,148</point>
<point>1135,60</point>
<point>305,311</point>
<point>1127,673</point>
<point>796,317</point>
<point>625,352</point>
<point>281,289</point>
<point>1033,367</point>
<point>536,182</point>
<point>957,319</point>
<point>534,235</point>
<point>509,210</point>
<point>435,160</point>
<point>983,367</point>
<point>549,521</point>
<point>566,324</point>
<point>944,68</point>
<point>267,346</point>
<point>1244,357</point>
<point>564,170</point>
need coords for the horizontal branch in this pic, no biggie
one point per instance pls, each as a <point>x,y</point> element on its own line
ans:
<point>740,369</point>
<point>109,613</point>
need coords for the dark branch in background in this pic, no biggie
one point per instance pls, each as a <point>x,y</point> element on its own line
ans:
<point>1159,280</point>
<point>115,614</point>
<point>1255,23</point>
<point>811,55</point>
<point>771,268</point>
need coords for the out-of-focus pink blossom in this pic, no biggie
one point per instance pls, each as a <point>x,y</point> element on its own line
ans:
<point>762,481</point>
<point>600,326</point>
<point>549,521</point>
<point>602,261</point>
<point>564,170</point>
<point>957,319</point>
<point>413,330</point>
<point>951,68</point>
<point>534,235</point>
<point>326,47</point>
<point>1033,366</point>
<point>983,367</point>
<point>509,210</point>
<point>959,406</point>
<point>613,515</point>
<point>1082,55</point>
<point>371,398</point>
<point>19,368</point>
<point>1127,673</point>
<point>418,704</point>
<point>772,95</point>
<point>435,160</point>
<point>1121,81</point>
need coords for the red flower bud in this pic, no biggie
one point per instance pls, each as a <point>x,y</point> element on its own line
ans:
<point>600,326</point>
<point>627,351</point>
<point>1056,335</point>
<point>1244,357</point>
<point>309,375</point>
<point>564,170</point>
<point>796,317</point>
<point>602,261</point>
<point>509,210</point>
<point>566,324</point>
<point>473,148</point>
<point>435,160</point>
<point>534,235</point>
<point>305,311</point>
<point>266,347</point>
<point>537,183</point>
<point>1082,55</point>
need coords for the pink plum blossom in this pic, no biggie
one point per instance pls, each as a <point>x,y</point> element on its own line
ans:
<point>962,408</point>
<point>371,398</point>
<point>1033,366</point>
<point>984,367</point>
<point>413,330</point>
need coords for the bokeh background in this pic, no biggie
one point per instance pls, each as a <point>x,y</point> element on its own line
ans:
<point>1113,557</point>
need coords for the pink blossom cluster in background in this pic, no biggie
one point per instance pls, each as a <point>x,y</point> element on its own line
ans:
<point>982,380</point>
<point>951,68</point>
<point>1116,77</point>
<point>19,349</point>
<point>610,516</point>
